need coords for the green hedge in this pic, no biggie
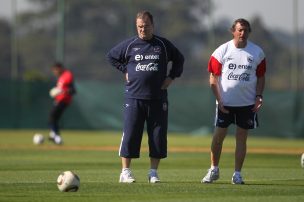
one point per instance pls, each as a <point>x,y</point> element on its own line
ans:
<point>98,105</point>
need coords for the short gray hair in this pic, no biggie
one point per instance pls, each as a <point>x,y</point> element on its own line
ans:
<point>243,22</point>
<point>142,14</point>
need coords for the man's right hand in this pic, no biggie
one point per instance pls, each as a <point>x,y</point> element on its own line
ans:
<point>222,108</point>
<point>127,78</point>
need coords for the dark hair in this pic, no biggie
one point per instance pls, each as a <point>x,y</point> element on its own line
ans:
<point>142,14</point>
<point>243,22</point>
<point>58,64</point>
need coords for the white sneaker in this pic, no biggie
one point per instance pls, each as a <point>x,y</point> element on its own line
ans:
<point>237,179</point>
<point>126,177</point>
<point>58,140</point>
<point>55,138</point>
<point>212,175</point>
<point>153,178</point>
<point>52,135</point>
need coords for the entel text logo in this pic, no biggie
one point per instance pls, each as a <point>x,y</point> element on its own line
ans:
<point>146,57</point>
<point>235,66</point>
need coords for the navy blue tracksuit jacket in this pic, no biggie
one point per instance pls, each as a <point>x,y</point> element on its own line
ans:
<point>146,63</point>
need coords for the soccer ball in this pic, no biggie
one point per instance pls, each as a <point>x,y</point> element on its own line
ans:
<point>302,160</point>
<point>68,182</point>
<point>38,139</point>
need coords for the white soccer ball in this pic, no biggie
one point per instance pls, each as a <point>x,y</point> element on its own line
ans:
<point>38,139</point>
<point>68,182</point>
<point>55,91</point>
<point>302,160</point>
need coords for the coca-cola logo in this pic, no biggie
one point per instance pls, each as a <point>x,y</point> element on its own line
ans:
<point>239,77</point>
<point>147,67</point>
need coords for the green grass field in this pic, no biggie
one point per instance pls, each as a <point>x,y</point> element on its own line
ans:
<point>272,170</point>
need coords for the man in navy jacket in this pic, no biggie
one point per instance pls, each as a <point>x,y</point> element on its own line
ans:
<point>144,61</point>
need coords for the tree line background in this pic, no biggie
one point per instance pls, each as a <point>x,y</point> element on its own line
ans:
<point>92,27</point>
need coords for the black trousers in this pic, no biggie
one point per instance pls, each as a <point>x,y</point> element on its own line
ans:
<point>55,114</point>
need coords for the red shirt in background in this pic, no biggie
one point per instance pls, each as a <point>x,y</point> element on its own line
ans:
<point>65,83</point>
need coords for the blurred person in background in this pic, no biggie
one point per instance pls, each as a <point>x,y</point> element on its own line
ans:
<point>62,94</point>
<point>237,78</point>
<point>144,59</point>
